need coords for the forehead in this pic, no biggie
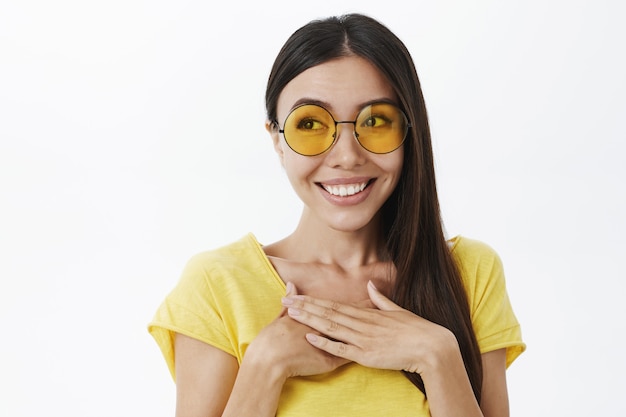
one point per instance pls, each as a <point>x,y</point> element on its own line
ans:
<point>344,85</point>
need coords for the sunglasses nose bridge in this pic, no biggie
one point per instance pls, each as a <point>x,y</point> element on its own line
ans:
<point>352,122</point>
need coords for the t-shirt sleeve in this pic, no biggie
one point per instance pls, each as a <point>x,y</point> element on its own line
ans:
<point>495,323</point>
<point>190,309</point>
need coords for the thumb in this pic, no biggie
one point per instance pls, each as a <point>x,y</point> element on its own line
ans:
<point>380,301</point>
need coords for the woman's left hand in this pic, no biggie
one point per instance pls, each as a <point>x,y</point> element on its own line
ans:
<point>385,337</point>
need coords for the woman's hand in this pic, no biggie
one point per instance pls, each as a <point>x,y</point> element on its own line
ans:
<point>384,337</point>
<point>283,345</point>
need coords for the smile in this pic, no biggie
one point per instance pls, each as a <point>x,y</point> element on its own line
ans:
<point>344,190</point>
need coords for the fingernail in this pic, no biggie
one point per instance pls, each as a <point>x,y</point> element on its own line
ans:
<point>286,301</point>
<point>293,311</point>
<point>311,338</point>
<point>371,284</point>
<point>289,288</point>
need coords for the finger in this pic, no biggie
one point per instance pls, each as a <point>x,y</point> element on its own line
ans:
<point>324,308</point>
<point>290,291</point>
<point>320,314</point>
<point>335,348</point>
<point>328,322</point>
<point>380,301</point>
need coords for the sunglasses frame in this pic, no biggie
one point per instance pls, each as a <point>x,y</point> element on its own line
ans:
<point>354,132</point>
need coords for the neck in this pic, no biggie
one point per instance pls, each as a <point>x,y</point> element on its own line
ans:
<point>312,242</point>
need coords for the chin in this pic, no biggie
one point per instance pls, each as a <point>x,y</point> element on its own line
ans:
<point>351,225</point>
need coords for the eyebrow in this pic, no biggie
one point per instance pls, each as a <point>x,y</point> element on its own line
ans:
<point>328,106</point>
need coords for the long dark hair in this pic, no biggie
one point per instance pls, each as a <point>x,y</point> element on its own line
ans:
<point>428,282</point>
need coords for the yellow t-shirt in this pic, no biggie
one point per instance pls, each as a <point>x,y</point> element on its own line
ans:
<point>218,300</point>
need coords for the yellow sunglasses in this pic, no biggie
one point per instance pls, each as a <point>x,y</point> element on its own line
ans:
<point>311,130</point>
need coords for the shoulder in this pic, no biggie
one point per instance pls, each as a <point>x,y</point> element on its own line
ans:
<point>235,255</point>
<point>467,248</point>
<point>224,265</point>
<point>493,319</point>
<point>474,256</point>
<point>214,284</point>
<point>480,267</point>
<point>243,248</point>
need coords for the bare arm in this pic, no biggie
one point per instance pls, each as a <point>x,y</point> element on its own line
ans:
<point>450,392</point>
<point>210,383</point>
<point>204,378</point>
<point>447,384</point>
<point>495,397</point>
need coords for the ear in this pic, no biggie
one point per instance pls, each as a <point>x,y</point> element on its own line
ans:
<point>272,129</point>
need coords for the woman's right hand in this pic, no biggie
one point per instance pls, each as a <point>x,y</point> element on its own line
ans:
<point>282,345</point>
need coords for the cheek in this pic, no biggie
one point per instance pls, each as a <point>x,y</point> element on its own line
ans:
<point>298,167</point>
<point>392,163</point>
<point>393,168</point>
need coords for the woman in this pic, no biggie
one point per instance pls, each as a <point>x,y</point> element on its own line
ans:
<point>365,309</point>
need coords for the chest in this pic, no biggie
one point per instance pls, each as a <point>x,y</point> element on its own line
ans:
<point>328,282</point>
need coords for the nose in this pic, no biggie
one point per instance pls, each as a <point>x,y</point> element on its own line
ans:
<point>346,152</point>
<point>350,128</point>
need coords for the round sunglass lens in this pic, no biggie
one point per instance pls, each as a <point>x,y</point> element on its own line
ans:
<point>309,130</point>
<point>381,128</point>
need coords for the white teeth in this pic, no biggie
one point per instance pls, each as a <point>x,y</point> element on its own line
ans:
<point>344,190</point>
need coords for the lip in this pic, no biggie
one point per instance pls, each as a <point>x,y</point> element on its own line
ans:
<point>343,181</point>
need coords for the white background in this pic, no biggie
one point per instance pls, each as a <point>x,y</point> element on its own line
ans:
<point>131,137</point>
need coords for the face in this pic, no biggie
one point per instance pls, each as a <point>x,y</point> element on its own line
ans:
<point>344,187</point>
